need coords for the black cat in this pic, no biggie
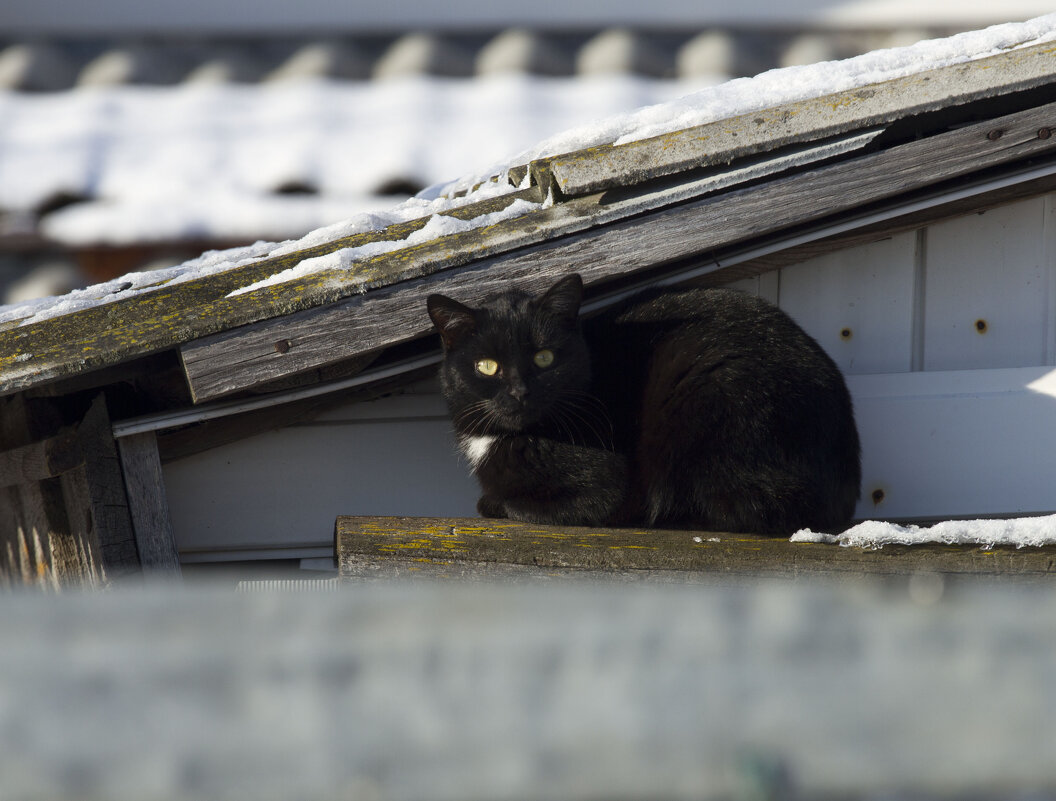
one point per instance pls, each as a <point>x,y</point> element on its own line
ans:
<point>707,408</point>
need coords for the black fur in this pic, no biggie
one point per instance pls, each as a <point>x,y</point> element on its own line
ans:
<point>703,407</point>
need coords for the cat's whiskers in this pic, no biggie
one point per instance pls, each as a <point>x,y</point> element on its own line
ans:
<point>564,423</point>
<point>477,419</point>
<point>589,412</point>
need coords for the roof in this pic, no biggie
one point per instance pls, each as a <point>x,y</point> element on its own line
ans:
<point>962,118</point>
<point>109,141</point>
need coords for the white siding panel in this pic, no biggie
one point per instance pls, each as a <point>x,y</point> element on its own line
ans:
<point>988,267</point>
<point>761,286</point>
<point>857,303</point>
<point>957,444</point>
<point>286,487</point>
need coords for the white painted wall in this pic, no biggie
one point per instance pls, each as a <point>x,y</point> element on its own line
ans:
<point>283,489</point>
<point>954,422</point>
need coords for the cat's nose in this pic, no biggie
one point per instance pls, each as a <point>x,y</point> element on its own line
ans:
<point>518,390</point>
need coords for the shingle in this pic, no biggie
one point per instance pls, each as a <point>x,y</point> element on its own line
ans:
<point>518,50</point>
<point>133,64</point>
<point>35,67</point>
<point>619,50</point>
<point>423,54</point>
<point>711,53</point>
<point>326,59</point>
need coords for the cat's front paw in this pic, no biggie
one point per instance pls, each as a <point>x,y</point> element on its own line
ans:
<point>490,506</point>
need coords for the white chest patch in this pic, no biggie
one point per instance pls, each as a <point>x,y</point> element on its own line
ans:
<point>476,448</point>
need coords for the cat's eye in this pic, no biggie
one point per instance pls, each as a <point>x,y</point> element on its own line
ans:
<point>487,366</point>
<point>544,358</point>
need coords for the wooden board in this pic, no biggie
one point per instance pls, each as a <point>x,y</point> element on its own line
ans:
<point>719,142</point>
<point>239,359</point>
<point>148,504</point>
<point>492,547</point>
<point>47,458</point>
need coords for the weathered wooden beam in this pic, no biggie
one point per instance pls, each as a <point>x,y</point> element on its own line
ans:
<point>112,333</point>
<point>148,504</point>
<point>101,484</point>
<point>239,359</point>
<point>493,547</point>
<point>47,458</point>
<point>719,142</point>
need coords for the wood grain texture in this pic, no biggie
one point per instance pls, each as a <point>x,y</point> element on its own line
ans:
<point>720,142</point>
<point>242,358</point>
<point>36,536</point>
<point>110,334</point>
<point>147,503</point>
<point>107,504</point>
<point>47,458</point>
<point>496,547</point>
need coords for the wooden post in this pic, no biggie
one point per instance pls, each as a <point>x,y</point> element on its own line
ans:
<point>99,483</point>
<point>148,504</point>
<point>64,517</point>
<point>39,546</point>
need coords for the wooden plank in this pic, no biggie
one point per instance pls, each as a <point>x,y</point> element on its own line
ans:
<point>38,535</point>
<point>807,120</point>
<point>238,359</point>
<point>47,458</point>
<point>104,493</point>
<point>70,504</point>
<point>484,543</point>
<point>112,333</point>
<point>145,488</point>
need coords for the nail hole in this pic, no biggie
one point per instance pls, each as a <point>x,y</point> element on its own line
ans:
<point>878,496</point>
<point>846,333</point>
<point>1044,133</point>
<point>995,134</point>
<point>283,346</point>
<point>981,326</point>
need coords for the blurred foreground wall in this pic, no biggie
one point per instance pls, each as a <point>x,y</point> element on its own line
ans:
<point>544,691</point>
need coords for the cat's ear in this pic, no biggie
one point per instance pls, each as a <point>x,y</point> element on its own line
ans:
<point>451,318</point>
<point>563,298</point>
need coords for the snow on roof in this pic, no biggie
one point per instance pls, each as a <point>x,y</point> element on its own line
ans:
<point>234,162</point>
<point>731,99</point>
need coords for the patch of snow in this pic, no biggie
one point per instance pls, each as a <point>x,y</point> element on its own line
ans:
<point>806,535</point>
<point>1019,532</point>
<point>438,226</point>
<point>793,84</point>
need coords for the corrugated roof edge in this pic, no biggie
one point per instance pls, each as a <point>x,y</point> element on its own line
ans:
<point>169,316</point>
